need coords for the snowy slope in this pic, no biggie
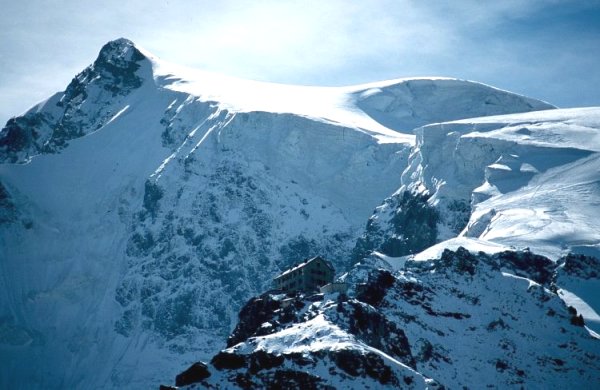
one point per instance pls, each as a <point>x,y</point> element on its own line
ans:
<point>400,105</point>
<point>523,180</point>
<point>142,206</point>
<point>406,104</point>
<point>552,181</point>
<point>519,180</point>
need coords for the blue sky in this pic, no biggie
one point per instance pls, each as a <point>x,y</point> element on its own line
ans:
<point>547,49</point>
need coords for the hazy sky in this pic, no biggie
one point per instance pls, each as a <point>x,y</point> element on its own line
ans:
<point>547,49</point>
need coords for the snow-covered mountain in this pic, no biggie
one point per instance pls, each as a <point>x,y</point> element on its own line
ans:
<point>143,206</point>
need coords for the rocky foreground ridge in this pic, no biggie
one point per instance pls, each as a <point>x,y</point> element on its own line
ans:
<point>463,320</point>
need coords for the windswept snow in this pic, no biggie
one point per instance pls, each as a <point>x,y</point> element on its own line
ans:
<point>556,207</point>
<point>531,179</point>
<point>592,318</point>
<point>333,105</point>
<point>389,110</point>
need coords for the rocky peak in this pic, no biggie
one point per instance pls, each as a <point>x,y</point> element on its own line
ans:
<point>88,102</point>
<point>401,327</point>
<point>405,223</point>
<point>115,69</point>
<point>118,50</point>
<point>119,61</point>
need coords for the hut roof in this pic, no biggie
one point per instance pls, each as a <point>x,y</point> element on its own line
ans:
<point>305,263</point>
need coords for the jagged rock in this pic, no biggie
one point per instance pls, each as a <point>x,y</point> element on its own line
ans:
<point>527,264</point>
<point>495,298</point>
<point>228,361</point>
<point>585,267</point>
<point>368,364</point>
<point>152,195</point>
<point>374,290</point>
<point>261,360</point>
<point>522,263</point>
<point>461,261</point>
<point>293,379</point>
<point>404,224</point>
<point>261,310</point>
<point>8,211</point>
<point>426,308</point>
<point>248,365</point>
<point>196,373</point>
<point>576,320</point>
<point>372,328</point>
<point>88,102</point>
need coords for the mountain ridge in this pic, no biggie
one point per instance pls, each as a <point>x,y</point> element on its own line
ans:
<point>141,215</point>
<point>121,67</point>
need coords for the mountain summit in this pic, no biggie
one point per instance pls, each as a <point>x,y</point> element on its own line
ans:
<point>144,205</point>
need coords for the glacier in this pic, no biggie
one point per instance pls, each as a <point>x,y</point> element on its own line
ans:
<point>144,205</point>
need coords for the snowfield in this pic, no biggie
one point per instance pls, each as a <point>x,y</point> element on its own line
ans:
<point>531,178</point>
<point>143,206</point>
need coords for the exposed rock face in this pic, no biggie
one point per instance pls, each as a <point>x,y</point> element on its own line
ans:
<point>352,334</point>
<point>88,102</point>
<point>581,266</point>
<point>404,224</point>
<point>507,301</point>
<point>196,373</point>
<point>368,325</point>
<point>262,310</point>
<point>353,316</point>
<point>374,291</point>
<point>265,370</point>
<point>529,265</point>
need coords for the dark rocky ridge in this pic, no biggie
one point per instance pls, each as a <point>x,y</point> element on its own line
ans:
<point>410,314</point>
<point>261,369</point>
<point>585,267</point>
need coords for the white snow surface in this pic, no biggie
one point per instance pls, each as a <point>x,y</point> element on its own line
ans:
<point>555,207</point>
<point>473,245</point>
<point>531,179</point>
<point>383,109</point>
